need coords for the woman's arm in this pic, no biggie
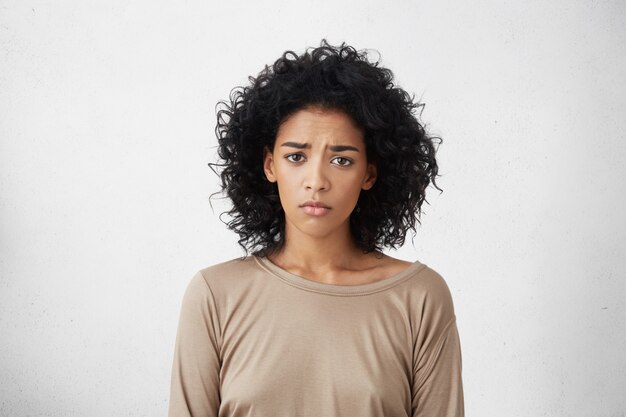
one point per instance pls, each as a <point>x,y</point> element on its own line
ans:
<point>437,389</point>
<point>195,371</point>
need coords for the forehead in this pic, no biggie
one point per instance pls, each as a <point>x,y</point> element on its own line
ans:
<point>314,123</point>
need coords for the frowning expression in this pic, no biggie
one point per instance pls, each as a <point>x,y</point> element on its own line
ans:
<point>319,156</point>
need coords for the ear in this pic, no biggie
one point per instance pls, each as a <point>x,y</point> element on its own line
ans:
<point>370,176</point>
<point>268,164</point>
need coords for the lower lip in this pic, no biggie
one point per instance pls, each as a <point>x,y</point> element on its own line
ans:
<point>315,211</point>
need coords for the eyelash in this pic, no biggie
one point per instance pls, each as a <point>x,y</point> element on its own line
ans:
<point>340,157</point>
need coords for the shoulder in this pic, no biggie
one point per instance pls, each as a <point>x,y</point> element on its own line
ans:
<point>432,284</point>
<point>231,276</point>
<point>430,296</point>
<point>212,281</point>
<point>424,280</point>
<point>221,271</point>
<point>227,270</point>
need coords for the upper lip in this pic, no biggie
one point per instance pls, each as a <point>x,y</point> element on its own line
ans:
<point>314,203</point>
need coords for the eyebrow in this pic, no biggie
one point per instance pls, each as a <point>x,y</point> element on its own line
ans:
<point>334,148</point>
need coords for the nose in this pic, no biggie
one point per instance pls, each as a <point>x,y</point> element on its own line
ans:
<point>315,176</point>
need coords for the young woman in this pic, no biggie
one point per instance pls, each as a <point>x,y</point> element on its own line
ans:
<point>326,164</point>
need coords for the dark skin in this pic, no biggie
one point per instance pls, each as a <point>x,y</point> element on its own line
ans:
<point>320,155</point>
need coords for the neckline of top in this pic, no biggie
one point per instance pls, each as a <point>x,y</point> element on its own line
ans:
<point>316,286</point>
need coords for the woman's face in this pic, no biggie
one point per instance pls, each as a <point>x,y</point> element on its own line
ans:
<point>319,155</point>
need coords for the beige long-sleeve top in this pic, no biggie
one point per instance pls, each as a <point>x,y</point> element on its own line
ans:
<point>256,340</point>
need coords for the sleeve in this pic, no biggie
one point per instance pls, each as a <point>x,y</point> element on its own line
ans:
<point>195,381</point>
<point>437,389</point>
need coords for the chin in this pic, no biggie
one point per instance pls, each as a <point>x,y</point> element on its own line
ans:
<point>316,227</point>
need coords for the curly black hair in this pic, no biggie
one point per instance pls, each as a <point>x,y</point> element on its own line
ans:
<point>330,77</point>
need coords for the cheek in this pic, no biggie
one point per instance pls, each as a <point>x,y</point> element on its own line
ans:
<point>287,189</point>
<point>349,190</point>
<point>288,182</point>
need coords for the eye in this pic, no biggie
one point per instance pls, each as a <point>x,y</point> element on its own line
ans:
<point>293,154</point>
<point>347,162</point>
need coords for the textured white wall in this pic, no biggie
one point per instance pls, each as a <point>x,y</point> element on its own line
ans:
<point>106,127</point>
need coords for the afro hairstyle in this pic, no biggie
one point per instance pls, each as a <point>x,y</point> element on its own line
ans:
<point>337,78</point>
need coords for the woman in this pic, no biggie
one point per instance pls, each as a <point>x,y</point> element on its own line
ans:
<point>325,164</point>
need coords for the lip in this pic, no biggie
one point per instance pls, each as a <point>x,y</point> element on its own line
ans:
<point>313,203</point>
<point>315,208</point>
<point>315,211</point>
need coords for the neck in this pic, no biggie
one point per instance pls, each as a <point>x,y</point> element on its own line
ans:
<point>321,254</point>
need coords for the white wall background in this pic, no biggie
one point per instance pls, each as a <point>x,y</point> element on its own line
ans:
<point>106,127</point>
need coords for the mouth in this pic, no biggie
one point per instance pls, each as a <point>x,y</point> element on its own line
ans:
<point>316,204</point>
<point>315,208</point>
